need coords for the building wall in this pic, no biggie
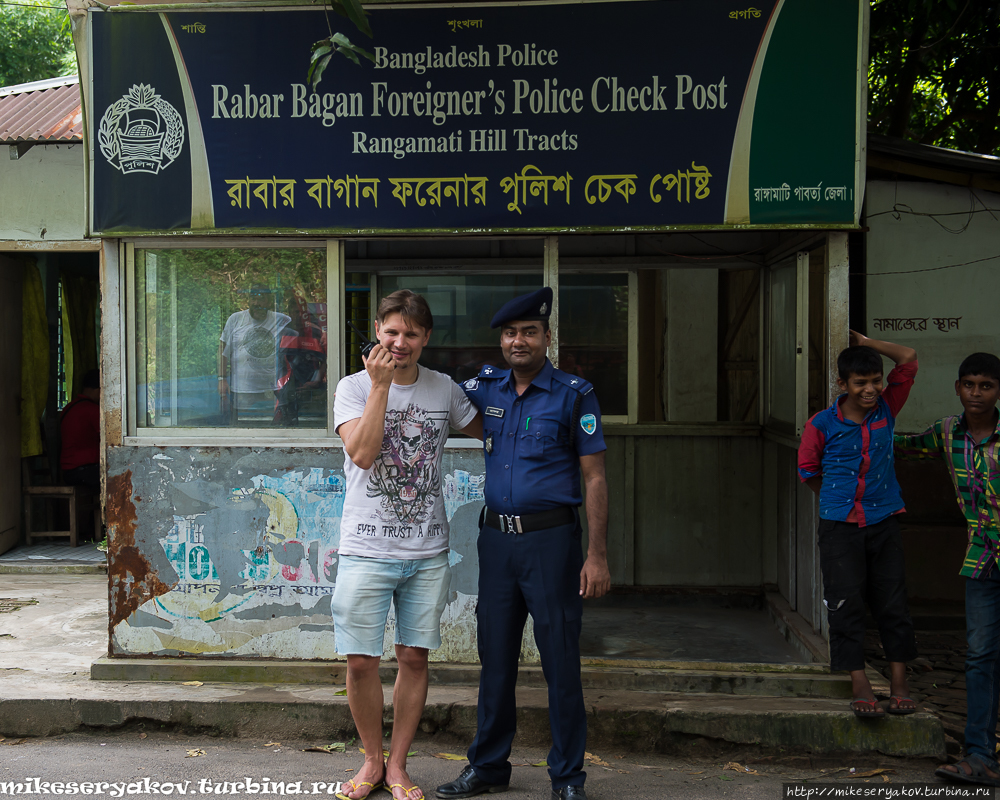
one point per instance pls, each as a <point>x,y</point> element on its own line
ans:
<point>232,551</point>
<point>962,298</point>
<point>43,194</point>
<point>946,314</point>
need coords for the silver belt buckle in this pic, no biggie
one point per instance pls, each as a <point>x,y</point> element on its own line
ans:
<point>512,523</point>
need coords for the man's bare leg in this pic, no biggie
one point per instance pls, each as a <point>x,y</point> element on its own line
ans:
<point>364,695</point>
<point>408,698</point>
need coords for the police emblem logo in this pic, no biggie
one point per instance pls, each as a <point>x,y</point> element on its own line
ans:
<point>141,132</point>
<point>489,444</point>
<point>589,423</point>
<point>472,384</point>
<point>544,308</point>
<point>488,371</point>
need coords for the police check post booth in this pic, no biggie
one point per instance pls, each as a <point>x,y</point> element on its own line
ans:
<point>691,207</point>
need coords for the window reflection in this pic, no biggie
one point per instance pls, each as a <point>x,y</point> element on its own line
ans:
<point>231,338</point>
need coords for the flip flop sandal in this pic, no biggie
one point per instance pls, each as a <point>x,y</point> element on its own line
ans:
<point>354,786</point>
<point>405,790</point>
<point>977,775</point>
<point>898,709</point>
<point>866,709</point>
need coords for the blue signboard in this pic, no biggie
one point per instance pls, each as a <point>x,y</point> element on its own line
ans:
<point>549,117</point>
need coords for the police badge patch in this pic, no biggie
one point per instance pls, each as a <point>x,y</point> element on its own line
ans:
<point>472,384</point>
<point>589,423</point>
<point>489,444</point>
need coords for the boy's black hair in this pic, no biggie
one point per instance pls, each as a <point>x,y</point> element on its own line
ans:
<point>858,360</point>
<point>985,364</point>
<point>92,379</point>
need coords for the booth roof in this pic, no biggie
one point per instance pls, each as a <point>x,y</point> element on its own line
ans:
<point>42,112</point>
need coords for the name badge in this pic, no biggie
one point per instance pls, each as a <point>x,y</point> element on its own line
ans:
<point>494,412</point>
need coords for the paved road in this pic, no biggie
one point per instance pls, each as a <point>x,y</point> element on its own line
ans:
<point>133,755</point>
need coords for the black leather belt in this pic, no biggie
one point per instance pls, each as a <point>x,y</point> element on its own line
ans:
<point>526,523</point>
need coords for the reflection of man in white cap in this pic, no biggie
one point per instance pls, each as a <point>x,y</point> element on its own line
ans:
<point>248,353</point>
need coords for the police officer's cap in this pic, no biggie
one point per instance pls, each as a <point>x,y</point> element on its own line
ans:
<point>537,305</point>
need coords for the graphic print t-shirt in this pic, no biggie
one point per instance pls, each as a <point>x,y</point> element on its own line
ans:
<point>395,509</point>
<point>252,350</point>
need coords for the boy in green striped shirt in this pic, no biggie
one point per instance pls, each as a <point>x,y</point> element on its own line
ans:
<point>969,443</point>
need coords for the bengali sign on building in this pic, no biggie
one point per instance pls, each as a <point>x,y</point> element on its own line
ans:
<point>545,117</point>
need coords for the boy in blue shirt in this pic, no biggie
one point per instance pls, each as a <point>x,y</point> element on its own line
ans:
<point>845,456</point>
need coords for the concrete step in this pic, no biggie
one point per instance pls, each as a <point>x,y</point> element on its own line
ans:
<point>760,680</point>
<point>638,721</point>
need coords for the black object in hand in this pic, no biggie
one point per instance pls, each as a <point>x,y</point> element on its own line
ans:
<point>366,343</point>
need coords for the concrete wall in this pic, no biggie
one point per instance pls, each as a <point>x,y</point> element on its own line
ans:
<point>962,298</point>
<point>43,194</point>
<point>232,551</point>
<point>670,526</point>
<point>691,300</point>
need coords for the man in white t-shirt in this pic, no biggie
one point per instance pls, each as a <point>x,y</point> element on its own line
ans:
<point>248,354</point>
<point>393,419</point>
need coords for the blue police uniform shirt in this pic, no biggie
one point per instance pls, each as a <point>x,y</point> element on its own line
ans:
<point>533,463</point>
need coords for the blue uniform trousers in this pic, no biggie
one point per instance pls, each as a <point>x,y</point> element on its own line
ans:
<point>536,573</point>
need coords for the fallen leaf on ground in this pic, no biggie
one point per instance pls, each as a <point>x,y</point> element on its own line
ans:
<point>12,741</point>
<point>334,747</point>
<point>596,759</point>
<point>872,773</point>
<point>273,744</point>
<point>450,756</point>
<point>619,756</point>
<point>340,692</point>
<point>143,735</point>
<point>194,753</point>
<point>737,767</point>
<point>385,753</point>
<point>192,683</point>
<point>725,778</point>
<point>885,779</point>
<point>699,772</point>
<point>541,764</point>
<point>622,771</point>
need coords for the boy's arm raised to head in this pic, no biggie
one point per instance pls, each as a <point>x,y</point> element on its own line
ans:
<point>896,352</point>
<point>918,446</point>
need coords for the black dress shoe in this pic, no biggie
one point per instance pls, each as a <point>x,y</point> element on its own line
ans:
<point>569,793</point>
<point>468,784</point>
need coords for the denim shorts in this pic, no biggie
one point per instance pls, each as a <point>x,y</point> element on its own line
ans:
<point>366,586</point>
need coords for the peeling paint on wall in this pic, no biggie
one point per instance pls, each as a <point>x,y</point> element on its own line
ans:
<point>233,551</point>
<point>131,579</point>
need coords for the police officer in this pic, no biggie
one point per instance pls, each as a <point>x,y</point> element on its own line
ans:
<point>542,428</point>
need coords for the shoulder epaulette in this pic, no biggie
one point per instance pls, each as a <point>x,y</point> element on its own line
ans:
<point>490,372</point>
<point>582,385</point>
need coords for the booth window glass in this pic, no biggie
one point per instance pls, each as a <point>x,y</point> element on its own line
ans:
<point>593,335</point>
<point>463,306</point>
<point>231,338</point>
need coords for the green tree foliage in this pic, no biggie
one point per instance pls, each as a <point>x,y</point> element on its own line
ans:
<point>934,72</point>
<point>35,43</point>
<point>324,50</point>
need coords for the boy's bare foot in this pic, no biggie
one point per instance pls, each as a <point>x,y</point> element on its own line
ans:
<point>900,701</point>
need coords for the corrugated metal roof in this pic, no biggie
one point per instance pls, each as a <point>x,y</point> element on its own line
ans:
<point>43,112</point>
